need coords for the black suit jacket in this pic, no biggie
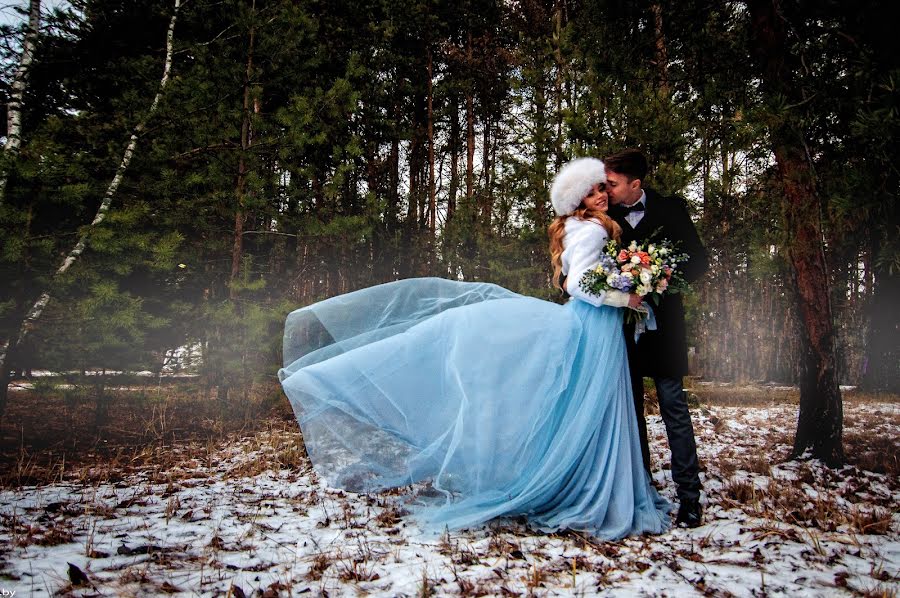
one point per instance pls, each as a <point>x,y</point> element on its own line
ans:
<point>663,352</point>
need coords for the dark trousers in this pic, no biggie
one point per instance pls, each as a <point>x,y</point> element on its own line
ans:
<point>675,415</point>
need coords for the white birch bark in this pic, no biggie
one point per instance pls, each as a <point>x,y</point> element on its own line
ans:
<point>37,309</point>
<point>17,97</point>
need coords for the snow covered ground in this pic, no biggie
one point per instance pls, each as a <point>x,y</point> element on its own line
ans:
<point>247,516</point>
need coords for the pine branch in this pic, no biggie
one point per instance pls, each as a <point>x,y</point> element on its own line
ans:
<point>226,145</point>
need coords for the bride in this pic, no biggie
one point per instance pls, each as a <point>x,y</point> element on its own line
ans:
<point>501,405</point>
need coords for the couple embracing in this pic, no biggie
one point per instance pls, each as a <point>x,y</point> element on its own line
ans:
<point>488,404</point>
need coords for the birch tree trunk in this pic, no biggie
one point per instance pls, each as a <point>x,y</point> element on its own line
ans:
<point>10,347</point>
<point>17,97</point>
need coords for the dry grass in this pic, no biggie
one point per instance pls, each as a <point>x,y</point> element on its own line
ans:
<point>356,570</point>
<point>651,402</point>
<point>320,564</point>
<point>872,452</point>
<point>173,440</point>
<point>812,502</point>
<point>823,508</point>
<point>737,395</point>
<point>742,492</point>
<point>390,516</point>
<point>871,521</point>
<point>53,436</point>
<point>758,464</point>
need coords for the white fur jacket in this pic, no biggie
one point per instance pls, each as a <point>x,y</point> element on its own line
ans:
<point>582,245</point>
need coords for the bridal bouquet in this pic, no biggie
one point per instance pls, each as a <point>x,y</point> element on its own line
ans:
<point>647,270</point>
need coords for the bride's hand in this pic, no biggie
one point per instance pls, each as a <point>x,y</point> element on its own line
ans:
<point>634,300</point>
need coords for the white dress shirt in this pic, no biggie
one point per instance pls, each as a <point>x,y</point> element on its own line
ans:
<point>634,218</point>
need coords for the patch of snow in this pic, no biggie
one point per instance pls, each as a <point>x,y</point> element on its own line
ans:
<point>229,520</point>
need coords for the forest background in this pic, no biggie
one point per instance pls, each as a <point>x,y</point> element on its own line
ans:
<point>184,173</point>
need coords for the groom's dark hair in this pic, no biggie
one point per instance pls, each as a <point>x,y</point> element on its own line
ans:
<point>630,162</point>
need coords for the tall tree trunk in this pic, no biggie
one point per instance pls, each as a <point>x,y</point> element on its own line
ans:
<point>449,232</point>
<point>470,234</point>
<point>541,152</point>
<point>415,179</point>
<point>376,253</point>
<point>660,51</point>
<point>411,247</point>
<point>454,160</point>
<point>392,212</point>
<point>240,215</point>
<point>558,83</point>
<point>432,200</point>
<point>487,192</point>
<point>705,168</point>
<point>17,97</point>
<point>881,369</point>
<point>470,128</point>
<point>820,422</point>
<point>9,347</point>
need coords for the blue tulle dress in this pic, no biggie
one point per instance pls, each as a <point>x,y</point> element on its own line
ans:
<point>502,405</point>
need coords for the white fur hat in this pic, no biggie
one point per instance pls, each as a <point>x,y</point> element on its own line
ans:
<point>573,182</point>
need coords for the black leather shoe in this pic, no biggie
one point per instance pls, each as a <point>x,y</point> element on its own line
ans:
<point>690,514</point>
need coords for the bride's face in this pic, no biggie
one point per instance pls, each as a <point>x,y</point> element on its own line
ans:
<point>597,199</point>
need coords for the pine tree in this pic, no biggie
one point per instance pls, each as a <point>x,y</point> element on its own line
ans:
<point>14,341</point>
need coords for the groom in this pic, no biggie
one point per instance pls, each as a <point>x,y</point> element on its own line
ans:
<point>645,216</point>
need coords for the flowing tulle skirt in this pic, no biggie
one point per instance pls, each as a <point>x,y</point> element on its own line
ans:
<point>506,405</point>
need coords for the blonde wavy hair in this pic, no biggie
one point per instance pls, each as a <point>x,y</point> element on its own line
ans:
<point>557,232</point>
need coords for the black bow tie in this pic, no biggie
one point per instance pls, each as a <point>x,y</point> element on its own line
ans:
<point>638,207</point>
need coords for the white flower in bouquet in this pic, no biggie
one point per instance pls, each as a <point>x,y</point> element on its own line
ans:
<point>654,269</point>
<point>646,277</point>
<point>633,246</point>
<point>643,289</point>
<point>635,259</point>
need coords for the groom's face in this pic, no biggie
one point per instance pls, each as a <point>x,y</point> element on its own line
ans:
<point>621,190</point>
